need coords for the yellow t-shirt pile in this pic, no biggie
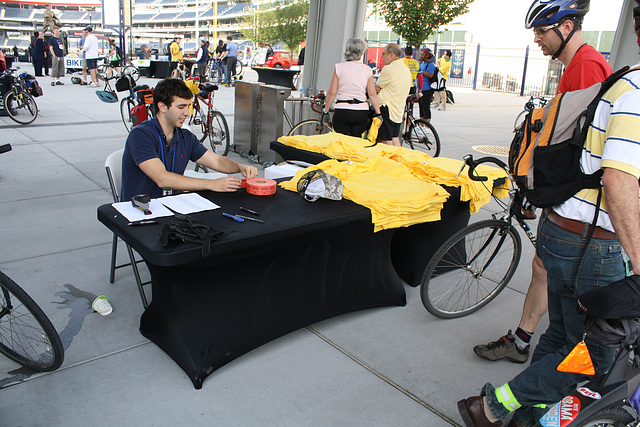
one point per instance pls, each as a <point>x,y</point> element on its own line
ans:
<point>401,186</point>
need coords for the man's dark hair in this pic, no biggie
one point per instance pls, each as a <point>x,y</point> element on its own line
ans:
<point>408,51</point>
<point>449,53</point>
<point>229,38</point>
<point>167,89</point>
<point>88,29</point>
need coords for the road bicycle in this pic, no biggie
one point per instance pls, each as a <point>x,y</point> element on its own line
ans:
<point>17,101</point>
<point>310,126</point>
<point>141,95</point>
<point>215,71</point>
<point>418,134</point>
<point>104,71</point>
<point>533,103</point>
<point>26,334</point>
<point>475,264</point>
<point>207,123</point>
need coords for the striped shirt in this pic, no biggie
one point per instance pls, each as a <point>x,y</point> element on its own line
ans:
<point>613,141</point>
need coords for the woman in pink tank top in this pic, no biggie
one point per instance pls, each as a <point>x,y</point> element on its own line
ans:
<point>351,82</point>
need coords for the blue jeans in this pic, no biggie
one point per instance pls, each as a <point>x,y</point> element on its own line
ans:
<point>541,384</point>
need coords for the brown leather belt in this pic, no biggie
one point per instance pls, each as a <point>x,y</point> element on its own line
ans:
<point>579,227</point>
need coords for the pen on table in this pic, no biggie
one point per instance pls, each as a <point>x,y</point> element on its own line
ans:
<point>233,217</point>
<point>249,211</point>
<point>250,219</point>
<point>151,221</point>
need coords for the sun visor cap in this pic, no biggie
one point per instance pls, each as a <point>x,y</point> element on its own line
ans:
<point>317,183</point>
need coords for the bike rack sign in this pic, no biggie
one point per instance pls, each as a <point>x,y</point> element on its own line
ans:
<point>73,62</point>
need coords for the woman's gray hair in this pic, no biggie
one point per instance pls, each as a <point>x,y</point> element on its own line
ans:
<point>354,50</point>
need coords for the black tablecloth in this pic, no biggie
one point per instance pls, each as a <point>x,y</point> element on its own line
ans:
<point>412,247</point>
<point>308,262</point>
<point>274,76</point>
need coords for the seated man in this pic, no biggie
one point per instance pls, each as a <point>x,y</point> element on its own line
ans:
<point>158,150</point>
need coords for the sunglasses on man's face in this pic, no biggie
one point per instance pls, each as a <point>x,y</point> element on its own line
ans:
<point>541,31</point>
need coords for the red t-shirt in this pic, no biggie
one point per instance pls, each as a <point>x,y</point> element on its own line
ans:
<point>587,68</point>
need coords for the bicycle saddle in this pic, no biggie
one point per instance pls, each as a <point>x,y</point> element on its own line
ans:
<point>210,87</point>
<point>140,87</point>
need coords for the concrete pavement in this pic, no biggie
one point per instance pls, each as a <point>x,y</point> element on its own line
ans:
<point>378,367</point>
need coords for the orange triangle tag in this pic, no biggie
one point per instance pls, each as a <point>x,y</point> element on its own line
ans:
<point>578,361</point>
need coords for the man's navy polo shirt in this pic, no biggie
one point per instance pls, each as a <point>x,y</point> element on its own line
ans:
<point>147,141</point>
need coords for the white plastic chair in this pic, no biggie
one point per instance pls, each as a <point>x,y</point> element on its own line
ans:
<point>113,165</point>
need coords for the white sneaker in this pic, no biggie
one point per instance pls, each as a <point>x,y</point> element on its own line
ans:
<point>94,85</point>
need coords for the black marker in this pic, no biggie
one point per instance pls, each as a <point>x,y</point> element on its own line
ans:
<point>250,219</point>
<point>250,211</point>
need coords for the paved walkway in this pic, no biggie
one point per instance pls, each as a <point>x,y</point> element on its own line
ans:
<point>378,367</point>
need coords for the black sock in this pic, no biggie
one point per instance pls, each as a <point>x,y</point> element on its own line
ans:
<point>522,338</point>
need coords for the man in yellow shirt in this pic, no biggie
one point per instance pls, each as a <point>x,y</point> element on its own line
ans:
<point>176,51</point>
<point>413,65</point>
<point>444,64</point>
<point>393,88</point>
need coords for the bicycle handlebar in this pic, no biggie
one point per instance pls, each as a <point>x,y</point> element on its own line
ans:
<point>469,161</point>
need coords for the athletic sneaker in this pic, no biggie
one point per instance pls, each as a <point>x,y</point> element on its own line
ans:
<point>94,85</point>
<point>53,83</point>
<point>505,348</point>
<point>59,83</point>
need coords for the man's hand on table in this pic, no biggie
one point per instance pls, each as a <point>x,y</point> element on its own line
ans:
<point>248,171</point>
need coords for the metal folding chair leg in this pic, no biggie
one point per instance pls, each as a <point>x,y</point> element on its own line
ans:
<point>136,275</point>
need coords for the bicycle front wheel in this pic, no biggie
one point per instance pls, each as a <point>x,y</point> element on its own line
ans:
<point>125,112</point>
<point>470,269</point>
<point>422,136</point>
<point>309,127</point>
<point>102,72</point>
<point>20,106</point>
<point>218,133</point>
<point>26,333</point>
<point>132,71</point>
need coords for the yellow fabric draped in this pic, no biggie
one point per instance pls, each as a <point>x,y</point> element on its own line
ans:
<point>401,186</point>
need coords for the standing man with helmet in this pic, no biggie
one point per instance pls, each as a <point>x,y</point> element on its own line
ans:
<point>613,146</point>
<point>202,58</point>
<point>557,30</point>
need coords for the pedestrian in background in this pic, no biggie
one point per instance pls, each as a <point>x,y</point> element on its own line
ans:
<point>414,67</point>
<point>427,69</point>
<point>38,53</point>
<point>56,49</point>
<point>444,65</point>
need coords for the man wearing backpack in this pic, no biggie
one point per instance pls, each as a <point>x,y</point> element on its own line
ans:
<point>444,65</point>
<point>559,35</point>
<point>613,146</point>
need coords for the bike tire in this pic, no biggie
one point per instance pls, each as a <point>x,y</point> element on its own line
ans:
<point>20,106</point>
<point>520,119</point>
<point>451,286</point>
<point>26,334</point>
<point>125,112</point>
<point>102,72</point>
<point>132,71</point>
<point>309,127</point>
<point>239,69</point>
<point>218,133</point>
<point>422,136</point>
<point>610,417</point>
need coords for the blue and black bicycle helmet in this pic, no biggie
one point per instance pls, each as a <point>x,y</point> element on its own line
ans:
<point>106,96</point>
<point>547,12</point>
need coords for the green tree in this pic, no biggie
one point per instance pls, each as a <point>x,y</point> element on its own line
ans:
<point>275,22</point>
<point>416,20</point>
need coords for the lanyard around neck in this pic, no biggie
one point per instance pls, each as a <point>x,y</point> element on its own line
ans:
<point>173,163</point>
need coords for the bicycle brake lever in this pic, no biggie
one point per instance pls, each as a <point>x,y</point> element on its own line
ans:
<point>464,163</point>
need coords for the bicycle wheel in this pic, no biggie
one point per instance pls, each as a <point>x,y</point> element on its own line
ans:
<point>218,133</point>
<point>132,71</point>
<point>309,127</point>
<point>470,269</point>
<point>125,112</point>
<point>26,333</point>
<point>239,69</point>
<point>102,72</point>
<point>610,417</point>
<point>422,136</point>
<point>20,106</point>
<point>520,119</point>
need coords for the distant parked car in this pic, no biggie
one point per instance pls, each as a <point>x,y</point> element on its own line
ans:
<point>281,59</point>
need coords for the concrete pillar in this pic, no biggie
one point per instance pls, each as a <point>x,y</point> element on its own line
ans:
<point>625,48</point>
<point>331,24</point>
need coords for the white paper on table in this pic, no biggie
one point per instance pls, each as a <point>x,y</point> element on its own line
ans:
<point>134,214</point>
<point>188,203</point>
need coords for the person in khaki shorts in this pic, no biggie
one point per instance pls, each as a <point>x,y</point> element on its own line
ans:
<point>56,48</point>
